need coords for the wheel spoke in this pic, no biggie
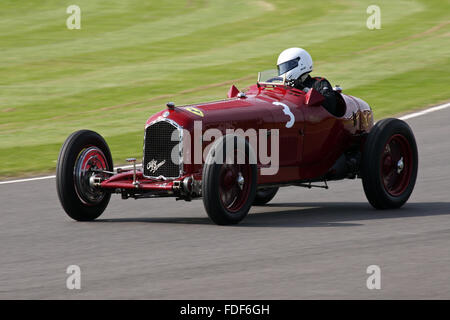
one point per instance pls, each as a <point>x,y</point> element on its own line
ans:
<point>391,179</point>
<point>395,152</point>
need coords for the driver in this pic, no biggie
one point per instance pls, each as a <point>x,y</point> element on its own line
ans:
<point>296,64</point>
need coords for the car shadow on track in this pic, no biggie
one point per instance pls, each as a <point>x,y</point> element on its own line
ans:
<point>311,214</point>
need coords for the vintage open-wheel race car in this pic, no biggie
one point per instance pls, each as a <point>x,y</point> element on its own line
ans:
<point>237,152</point>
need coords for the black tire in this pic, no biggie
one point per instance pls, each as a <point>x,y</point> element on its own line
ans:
<point>76,206</point>
<point>264,195</point>
<point>389,164</point>
<point>212,186</point>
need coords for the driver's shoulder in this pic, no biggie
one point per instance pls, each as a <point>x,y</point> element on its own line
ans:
<point>320,83</point>
<point>319,79</point>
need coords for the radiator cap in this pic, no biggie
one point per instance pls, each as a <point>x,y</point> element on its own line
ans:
<point>170,105</point>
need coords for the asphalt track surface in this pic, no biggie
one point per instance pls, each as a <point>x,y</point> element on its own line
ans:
<point>306,244</point>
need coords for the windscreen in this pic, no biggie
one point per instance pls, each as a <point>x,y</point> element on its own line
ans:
<point>270,76</point>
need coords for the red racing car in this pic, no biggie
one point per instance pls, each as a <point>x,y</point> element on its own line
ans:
<point>237,152</point>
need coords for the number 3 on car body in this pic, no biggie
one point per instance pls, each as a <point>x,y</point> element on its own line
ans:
<point>287,112</point>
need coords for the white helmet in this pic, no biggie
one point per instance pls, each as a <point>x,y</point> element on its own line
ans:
<point>294,62</point>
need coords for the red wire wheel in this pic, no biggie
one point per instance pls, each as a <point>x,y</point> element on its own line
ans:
<point>228,183</point>
<point>389,164</point>
<point>396,165</point>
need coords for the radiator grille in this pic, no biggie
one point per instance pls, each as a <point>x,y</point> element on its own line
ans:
<point>158,146</point>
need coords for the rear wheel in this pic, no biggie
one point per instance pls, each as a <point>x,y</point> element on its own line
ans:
<point>389,164</point>
<point>264,195</point>
<point>228,187</point>
<point>82,155</point>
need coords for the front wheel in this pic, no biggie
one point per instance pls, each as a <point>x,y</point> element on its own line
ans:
<point>84,154</point>
<point>228,186</point>
<point>389,164</point>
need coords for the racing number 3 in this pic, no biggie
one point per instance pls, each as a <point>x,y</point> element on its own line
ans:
<point>287,111</point>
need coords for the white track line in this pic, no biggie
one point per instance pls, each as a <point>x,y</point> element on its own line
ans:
<point>429,110</point>
<point>406,117</point>
<point>53,176</point>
